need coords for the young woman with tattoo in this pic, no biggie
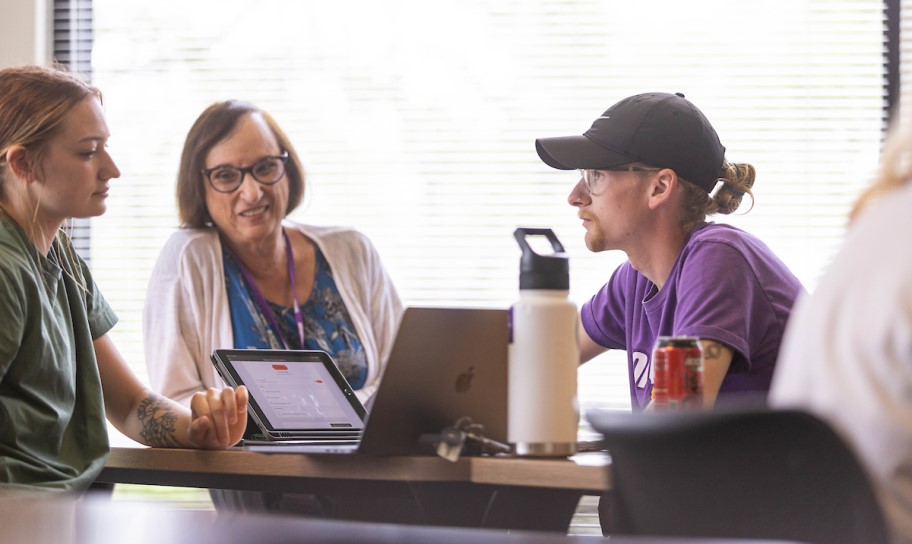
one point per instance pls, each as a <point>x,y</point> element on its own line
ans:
<point>652,168</point>
<point>60,373</point>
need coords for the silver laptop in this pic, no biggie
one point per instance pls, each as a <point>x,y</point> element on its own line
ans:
<point>446,364</point>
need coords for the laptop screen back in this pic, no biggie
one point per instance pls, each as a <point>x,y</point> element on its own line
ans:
<point>446,364</point>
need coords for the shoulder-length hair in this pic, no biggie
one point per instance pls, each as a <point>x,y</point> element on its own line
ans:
<point>212,126</point>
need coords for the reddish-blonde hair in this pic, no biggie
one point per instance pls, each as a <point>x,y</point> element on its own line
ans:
<point>895,170</point>
<point>33,103</point>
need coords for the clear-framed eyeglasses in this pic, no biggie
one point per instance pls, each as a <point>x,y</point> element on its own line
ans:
<point>227,178</point>
<point>595,179</point>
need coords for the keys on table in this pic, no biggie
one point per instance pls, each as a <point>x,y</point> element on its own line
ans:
<point>452,441</point>
<point>467,437</point>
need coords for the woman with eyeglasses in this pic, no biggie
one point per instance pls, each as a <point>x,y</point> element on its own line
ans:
<point>60,373</point>
<point>238,274</point>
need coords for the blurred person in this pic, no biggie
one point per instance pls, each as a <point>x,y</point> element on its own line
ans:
<point>60,372</point>
<point>238,274</point>
<point>847,352</point>
<point>652,169</point>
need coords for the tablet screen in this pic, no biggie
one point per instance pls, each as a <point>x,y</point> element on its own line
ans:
<point>294,390</point>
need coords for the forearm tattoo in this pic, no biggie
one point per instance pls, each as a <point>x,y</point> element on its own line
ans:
<point>712,351</point>
<point>159,422</point>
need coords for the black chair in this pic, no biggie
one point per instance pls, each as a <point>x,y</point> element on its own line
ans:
<point>735,474</point>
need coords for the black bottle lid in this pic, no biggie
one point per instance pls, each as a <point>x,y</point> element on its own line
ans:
<point>537,271</point>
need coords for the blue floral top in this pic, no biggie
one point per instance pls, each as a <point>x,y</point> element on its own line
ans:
<point>327,325</point>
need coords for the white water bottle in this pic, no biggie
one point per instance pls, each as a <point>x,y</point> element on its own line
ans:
<point>543,415</point>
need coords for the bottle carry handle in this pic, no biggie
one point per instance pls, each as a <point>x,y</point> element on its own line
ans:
<point>521,233</point>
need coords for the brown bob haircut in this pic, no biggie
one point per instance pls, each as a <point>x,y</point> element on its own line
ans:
<point>215,124</point>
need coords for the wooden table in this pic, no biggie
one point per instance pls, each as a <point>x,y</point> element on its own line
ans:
<point>497,492</point>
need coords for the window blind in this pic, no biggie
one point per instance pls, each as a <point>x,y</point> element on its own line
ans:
<point>904,107</point>
<point>416,120</point>
<point>72,48</point>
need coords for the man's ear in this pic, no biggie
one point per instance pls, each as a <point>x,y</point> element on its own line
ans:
<point>662,187</point>
<point>17,159</point>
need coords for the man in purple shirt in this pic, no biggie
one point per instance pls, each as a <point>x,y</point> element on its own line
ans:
<point>651,169</point>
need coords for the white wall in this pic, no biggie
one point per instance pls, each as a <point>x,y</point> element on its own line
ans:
<point>25,36</point>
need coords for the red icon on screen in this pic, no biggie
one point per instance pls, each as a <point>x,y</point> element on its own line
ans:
<point>280,367</point>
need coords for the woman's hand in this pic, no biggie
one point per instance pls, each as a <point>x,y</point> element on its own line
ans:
<point>218,417</point>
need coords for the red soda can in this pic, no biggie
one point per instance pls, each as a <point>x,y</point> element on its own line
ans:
<point>678,379</point>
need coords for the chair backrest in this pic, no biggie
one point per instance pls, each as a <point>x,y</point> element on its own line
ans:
<point>740,474</point>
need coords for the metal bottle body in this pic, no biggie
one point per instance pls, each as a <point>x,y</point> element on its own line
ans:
<point>543,361</point>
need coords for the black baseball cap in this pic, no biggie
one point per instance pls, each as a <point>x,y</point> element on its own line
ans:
<point>659,129</point>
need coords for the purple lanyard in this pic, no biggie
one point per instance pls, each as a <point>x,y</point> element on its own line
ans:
<point>261,300</point>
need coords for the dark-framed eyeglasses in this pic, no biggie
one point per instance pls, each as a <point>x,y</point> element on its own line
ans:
<point>594,179</point>
<point>267,171</point>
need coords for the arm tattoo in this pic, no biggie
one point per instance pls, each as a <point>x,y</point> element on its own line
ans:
<point>712,351</point>
<point>158,422</point>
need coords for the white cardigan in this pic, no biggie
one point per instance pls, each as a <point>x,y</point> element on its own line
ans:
<point>186,314</point>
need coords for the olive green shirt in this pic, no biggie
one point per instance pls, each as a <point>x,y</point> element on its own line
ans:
<point>53,434</point>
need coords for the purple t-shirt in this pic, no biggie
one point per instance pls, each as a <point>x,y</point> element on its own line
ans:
<point>726,286</point>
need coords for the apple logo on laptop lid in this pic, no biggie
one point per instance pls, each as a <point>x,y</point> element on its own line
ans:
<point>464,380</point>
